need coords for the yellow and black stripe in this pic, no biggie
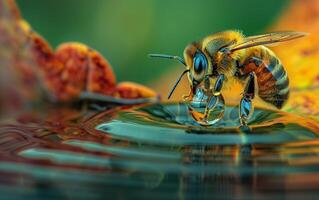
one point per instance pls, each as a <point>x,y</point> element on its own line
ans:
<point>273,82</point>
<point>272,79</point>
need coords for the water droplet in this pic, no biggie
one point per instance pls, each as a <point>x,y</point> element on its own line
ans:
<point>206,110</point>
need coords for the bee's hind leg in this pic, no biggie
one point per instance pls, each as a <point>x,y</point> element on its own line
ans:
<point>246,108</point>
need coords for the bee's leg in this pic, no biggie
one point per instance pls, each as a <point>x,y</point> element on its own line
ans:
<point>208,104</point>
<point>219,84</point>
<point>192,91</point>
<point>207,83</point>
<point>188,97</point>
<point>216,100</point>
<point>216,92</point>
<point>246,106</point>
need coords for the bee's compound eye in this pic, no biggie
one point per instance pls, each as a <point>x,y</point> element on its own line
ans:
<point>200,63</point>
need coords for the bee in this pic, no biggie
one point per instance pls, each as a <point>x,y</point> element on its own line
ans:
<point>222,56</point>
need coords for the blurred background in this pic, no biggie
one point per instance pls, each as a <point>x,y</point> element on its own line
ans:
<point>126,31</point>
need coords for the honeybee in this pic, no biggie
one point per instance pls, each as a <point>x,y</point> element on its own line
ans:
<point>219,57</point>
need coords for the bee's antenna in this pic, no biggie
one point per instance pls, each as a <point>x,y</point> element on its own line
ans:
<point>175,85</point>
<point>181,60</point>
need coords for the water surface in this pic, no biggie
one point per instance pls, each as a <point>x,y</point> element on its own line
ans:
<point>157,151</point>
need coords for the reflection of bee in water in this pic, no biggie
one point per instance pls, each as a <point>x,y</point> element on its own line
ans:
<point>225,55</point>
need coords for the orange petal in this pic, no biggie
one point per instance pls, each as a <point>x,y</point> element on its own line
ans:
<point>77,68</point>
<point>101,78</point>
<point>66,77</point>
<point>131,90</point>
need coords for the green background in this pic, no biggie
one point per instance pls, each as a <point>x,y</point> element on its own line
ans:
<point>125,31</point>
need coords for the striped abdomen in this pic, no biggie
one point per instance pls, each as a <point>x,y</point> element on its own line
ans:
<point>272,79</point>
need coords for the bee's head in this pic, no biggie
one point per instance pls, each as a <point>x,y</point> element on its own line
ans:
<point>196,64</point>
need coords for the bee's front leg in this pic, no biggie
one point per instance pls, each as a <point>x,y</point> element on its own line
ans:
<point>219,84</point>
<point>215,93</point>
<point>246,107</point>
<point>207,106</point>
<point>189,96</point>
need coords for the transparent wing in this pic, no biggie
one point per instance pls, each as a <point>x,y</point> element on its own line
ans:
<point>267,39</point>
